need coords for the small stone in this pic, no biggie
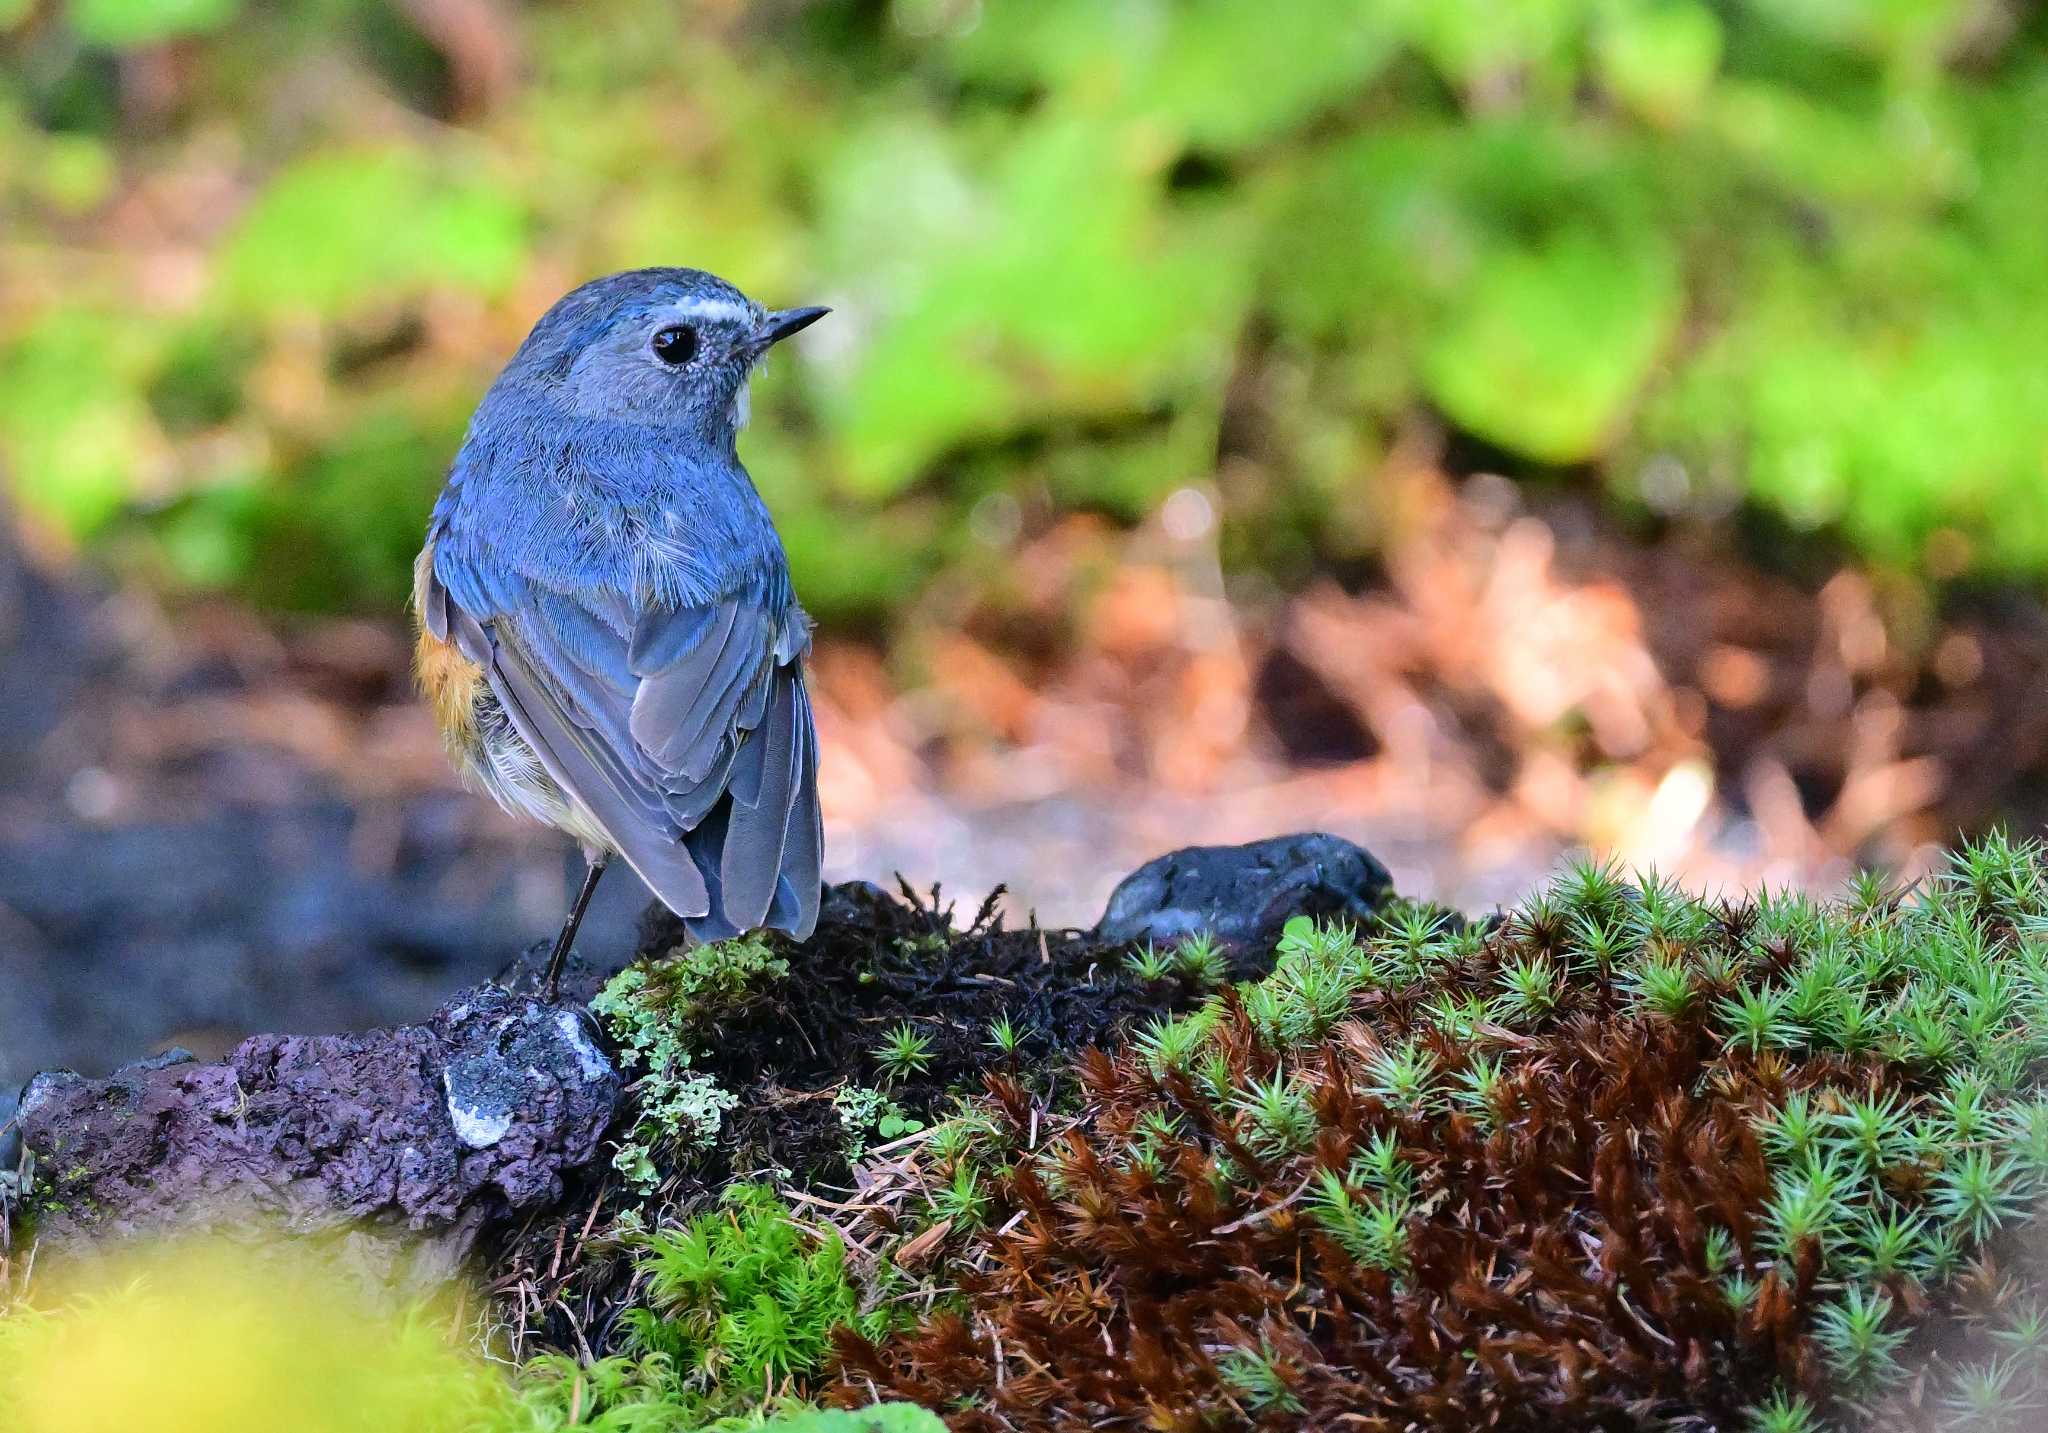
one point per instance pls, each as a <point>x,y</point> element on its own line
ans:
<point>1243,895</point>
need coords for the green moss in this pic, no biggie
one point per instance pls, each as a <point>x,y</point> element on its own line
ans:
<point>739,1309</point>
<point>1819,1113</point>
<point>658,1012</point>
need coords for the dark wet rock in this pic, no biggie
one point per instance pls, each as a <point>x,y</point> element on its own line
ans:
<point>430,1128</point>
<point>1243,895</point>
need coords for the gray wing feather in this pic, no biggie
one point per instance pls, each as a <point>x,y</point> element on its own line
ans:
<point>803,852</point>
<point>582,767</point>
<point>687,736</point>
<point>757,831</point>
<point>681,714</point>
<point>660,646</point>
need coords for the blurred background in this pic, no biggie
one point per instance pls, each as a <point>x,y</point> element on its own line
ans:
<point>1482,428</point>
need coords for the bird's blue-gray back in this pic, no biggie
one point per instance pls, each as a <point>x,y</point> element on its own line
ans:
<point>624,590</point>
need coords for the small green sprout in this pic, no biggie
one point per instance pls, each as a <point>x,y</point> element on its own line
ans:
<point>1149,965</point>
<point>1992,1394</point>
<point>1757,1021</point>
<point>1870,893</point>
<point>1529,988</point>
<point>1664,914</point>
<point>1874,1129</point>
<point>1004,1037</point>
<point>1891,1244</point>
<point>1720,1253</point>
<point>1171,1042</point>
<point>1321,996</point>
<point>1853,1025</point>
<point>1805,1205</point>
<point>1201,961</point>
<point>1214,1077</point>
<point>1945,1255</point>
<point>1255,1376</point>
<point>1921,1032</point>
<point>1413,942</point>
<point>1740,1290</point>
<point>1784,1413</point>
<point>1853,1334</point>
<point>1401,1076</point>
<point>1599,943</point>
<point>1379,1165</point>
<point>1792,1130</point>
<point>2025,1331</point>
<point>1373,1231</point>
<point>1662,985</point>
<point>950,1142</point>
<point>1593,888</point>
<point>1282,1122</point>
<point>1272,1014</point>
<point>963,1201</point>
<point>1976,1195</point>
<point>904,1051</point>
<point>1458,1016</point>
<point>1964,1105</point>
<point>1479,1086</point>
<point>1816,989</point>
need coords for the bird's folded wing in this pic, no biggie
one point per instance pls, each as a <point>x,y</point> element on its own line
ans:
<point>685,733</point>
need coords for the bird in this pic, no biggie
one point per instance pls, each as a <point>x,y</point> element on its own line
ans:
<point>607,632</point>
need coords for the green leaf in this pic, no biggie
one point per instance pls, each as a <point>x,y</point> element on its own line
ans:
<point>1106,311</point>
<point>1476,44</point>
<point>75,434</point>
<point>1224,74</point>
<point>345,228</point>
<point>1659,58</point>
<point>1549,346</point>
<point>141,22</point>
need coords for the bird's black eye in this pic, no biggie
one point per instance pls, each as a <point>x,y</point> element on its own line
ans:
<point>676,346</point>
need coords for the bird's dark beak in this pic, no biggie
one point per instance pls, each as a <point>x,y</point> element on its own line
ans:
<point>781,323</point>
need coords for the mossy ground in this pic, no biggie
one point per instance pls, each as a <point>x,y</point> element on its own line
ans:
<point>799,1055</point>
<point>1621,1158</point>
<point>1618,1158</point>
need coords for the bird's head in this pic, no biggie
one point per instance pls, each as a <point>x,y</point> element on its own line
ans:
<point>672,348</point>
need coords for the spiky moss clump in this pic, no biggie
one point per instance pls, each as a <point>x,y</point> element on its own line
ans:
<point>736,1314</point>
<point>1625,1156</point>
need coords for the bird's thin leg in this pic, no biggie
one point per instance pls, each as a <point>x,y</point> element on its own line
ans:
<point>594,869</point>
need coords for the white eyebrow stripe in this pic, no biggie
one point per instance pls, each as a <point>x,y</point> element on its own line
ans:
<point>714,308</point>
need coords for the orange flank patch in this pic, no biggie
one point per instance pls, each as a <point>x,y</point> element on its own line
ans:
<point>447,678</point>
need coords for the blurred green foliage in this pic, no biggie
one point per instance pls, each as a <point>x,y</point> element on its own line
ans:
<point>258,262</point>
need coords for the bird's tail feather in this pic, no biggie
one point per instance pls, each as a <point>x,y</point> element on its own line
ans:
<point>759,849</point>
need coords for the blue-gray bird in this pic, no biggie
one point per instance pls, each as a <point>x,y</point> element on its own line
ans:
<point>607,631</point>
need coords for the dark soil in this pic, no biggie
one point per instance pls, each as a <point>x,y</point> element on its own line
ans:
<point>876,962</point>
